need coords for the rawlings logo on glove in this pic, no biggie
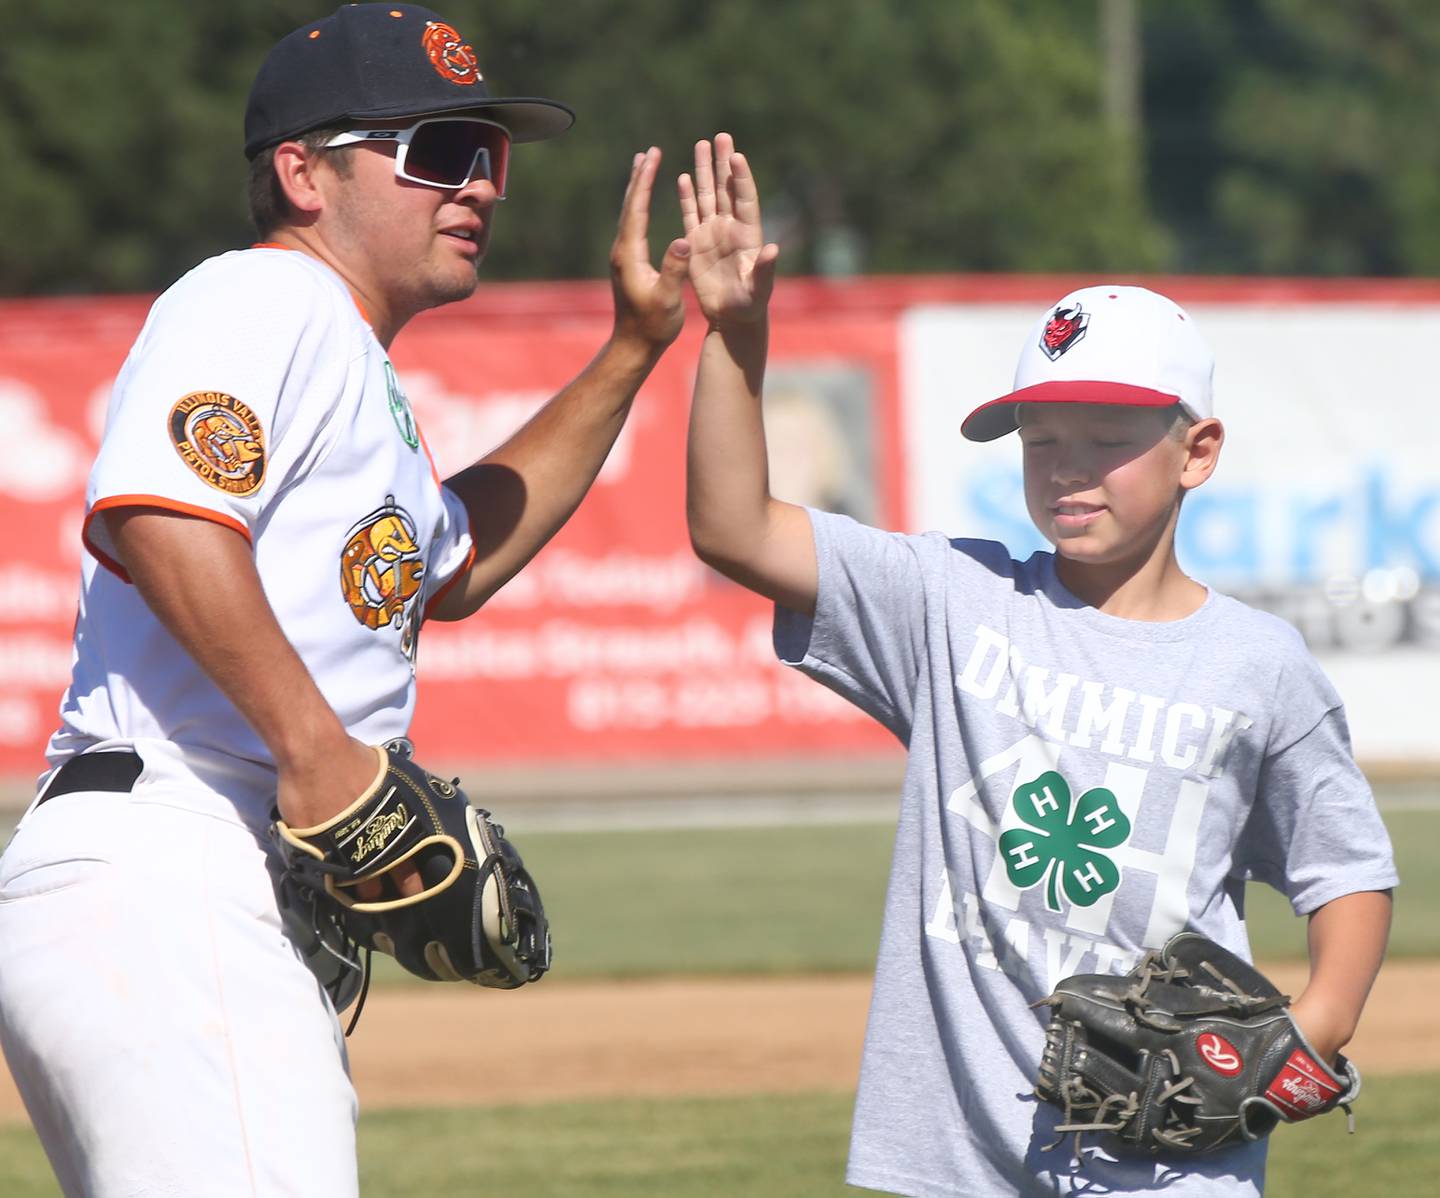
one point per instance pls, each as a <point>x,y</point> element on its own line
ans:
<point>1192,1051</point>
<point>477,919</point>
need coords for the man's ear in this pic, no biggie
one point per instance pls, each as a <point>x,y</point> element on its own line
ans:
<point>1203,441</point>
<point>296,171</point>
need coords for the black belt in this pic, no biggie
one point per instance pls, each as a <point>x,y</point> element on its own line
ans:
<point>108,769</point>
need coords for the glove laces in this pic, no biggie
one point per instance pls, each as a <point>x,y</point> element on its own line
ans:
<point>1116,1112</point>
<point>330,935</point>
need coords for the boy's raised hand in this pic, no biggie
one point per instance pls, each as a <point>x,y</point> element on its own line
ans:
<point>732,267</point>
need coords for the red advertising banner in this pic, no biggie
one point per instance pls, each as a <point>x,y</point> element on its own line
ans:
<point>57,361</point>
<point>616,643</point>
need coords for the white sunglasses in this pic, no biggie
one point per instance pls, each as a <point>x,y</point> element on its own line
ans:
<point>442,151</point>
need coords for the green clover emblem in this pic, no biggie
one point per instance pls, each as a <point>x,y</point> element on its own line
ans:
<point>400,409</point>
<point>1061,845</point>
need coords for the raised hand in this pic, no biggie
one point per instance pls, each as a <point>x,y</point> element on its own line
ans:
<point>649,303</point>
<point>732,267</point>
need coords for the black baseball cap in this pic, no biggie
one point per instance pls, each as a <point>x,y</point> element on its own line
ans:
<point>380,60</point>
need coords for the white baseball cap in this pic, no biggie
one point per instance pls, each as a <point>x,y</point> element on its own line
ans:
<point>1106,344</point>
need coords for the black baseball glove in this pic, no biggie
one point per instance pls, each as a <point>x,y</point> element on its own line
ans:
<point>479,917</point>
<point>1191,1051</point>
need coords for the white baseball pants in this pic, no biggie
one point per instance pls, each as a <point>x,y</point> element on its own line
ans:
<point>164,1033</point>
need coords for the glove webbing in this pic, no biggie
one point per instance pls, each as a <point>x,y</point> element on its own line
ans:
<point>1116,1112</point>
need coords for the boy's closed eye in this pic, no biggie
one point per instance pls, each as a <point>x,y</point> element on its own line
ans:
<point>1095,443</point>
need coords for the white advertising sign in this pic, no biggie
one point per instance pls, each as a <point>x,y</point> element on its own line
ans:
<point>1325,507</point>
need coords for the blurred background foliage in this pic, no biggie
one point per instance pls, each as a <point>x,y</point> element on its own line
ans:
<point>1204,136</point>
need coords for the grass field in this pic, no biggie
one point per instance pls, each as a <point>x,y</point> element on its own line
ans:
<point>763,1147</point>
<point>789,900</point>
<point>805,899</point>
<point>808,899</point>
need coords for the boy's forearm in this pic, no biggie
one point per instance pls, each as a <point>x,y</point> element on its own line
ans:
<point>728,474</point>
<point>1347,943</point>
<point>736,525</point>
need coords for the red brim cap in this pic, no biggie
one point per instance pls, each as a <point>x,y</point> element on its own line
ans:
<point>1001,416</point>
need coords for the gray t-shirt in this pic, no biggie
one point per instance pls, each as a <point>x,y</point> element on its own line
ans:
<point>1079,788</point>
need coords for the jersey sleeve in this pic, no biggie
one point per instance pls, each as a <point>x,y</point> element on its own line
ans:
<point>866,638</point>
<point>1314,832</point>
<point>218,404</point>
<point>452,550</point>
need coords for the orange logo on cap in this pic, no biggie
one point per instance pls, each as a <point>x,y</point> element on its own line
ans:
<point>452,58</point>
<point>220,439</point>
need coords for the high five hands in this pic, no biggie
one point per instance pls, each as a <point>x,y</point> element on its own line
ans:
<point>732,267</point>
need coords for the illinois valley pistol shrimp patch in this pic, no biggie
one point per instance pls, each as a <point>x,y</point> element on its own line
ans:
<point>220,439</point>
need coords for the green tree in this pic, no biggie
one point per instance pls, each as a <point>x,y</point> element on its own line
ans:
<point>925,135</point>
<point>942,136</point>
<point>120,127</point>
<point>1292,137</point>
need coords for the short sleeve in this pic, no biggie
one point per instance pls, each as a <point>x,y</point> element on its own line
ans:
<point>452,549</point>
<point>1314,832</point>
<point>219,402</point>
<point>866,638</point>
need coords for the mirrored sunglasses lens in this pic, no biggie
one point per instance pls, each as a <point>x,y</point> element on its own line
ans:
<point>443,153</point>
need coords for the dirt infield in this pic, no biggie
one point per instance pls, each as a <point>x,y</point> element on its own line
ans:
<point>704,1036</point>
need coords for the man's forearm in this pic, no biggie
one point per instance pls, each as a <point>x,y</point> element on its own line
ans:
<point>520,494</point>
<point>230,631</point>
<point>1347,943</point>
<point>232,634</point>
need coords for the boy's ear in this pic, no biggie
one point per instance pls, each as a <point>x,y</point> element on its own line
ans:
<point>1203,440</point>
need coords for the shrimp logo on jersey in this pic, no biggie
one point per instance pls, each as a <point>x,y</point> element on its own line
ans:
<point>220,439</point>
<point>1062,844</point>
<point>452,58</point>
<point>1065,327</point>
<point>381,572</point>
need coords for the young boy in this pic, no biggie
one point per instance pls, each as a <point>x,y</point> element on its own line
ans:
<point>1222,743</point>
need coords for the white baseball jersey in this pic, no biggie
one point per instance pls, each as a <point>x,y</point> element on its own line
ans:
<point>257,396</point>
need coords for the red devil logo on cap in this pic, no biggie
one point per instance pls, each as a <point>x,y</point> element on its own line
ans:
<point>1065,327</point>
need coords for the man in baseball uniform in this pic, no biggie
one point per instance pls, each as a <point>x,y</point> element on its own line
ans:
<point>266,535</point>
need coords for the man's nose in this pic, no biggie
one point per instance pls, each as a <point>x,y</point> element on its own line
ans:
<point>479,192</point>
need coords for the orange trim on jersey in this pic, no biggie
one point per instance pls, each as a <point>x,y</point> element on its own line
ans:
<point>275,245</point>
<point>155,501</point>
<point>100,555</point>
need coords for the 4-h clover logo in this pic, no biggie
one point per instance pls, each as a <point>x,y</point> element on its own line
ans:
<point>1060,847</point>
